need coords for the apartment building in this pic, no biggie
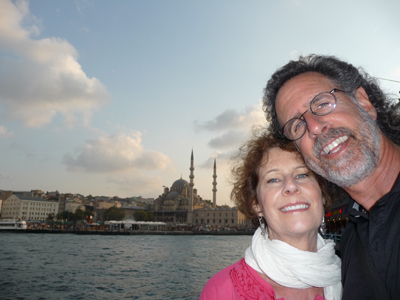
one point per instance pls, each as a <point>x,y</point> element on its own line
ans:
<point>28,208</point>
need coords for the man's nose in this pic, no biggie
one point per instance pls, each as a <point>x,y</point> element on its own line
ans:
<point>316,125</point>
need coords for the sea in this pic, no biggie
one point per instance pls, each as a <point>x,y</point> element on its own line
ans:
<point>70,266</point>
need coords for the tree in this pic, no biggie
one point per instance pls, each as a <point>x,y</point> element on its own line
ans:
<point>78,215</point>
<point>114,213</point>
<point>65,215</point>
<point>142,215</point>
<point>50,217</point>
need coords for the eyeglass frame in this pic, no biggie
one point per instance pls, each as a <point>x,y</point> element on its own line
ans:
<point>311,102</point>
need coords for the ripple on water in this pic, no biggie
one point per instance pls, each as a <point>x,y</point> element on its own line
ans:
<point>68,266</point>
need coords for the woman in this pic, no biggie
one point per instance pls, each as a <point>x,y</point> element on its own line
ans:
<point>287,258</point>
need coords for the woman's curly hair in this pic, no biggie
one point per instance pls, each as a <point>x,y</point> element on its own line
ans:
<point>245,171</point>
<point>346,77</point>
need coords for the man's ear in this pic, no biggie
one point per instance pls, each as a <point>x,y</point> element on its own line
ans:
<point>363,100</point>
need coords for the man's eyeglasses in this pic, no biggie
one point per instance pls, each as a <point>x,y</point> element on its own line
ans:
<point>322,104</point>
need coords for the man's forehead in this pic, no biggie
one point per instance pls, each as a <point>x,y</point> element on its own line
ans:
<point>297,93</point>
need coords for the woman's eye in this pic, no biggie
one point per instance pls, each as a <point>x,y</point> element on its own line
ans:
<point>302,175</point>
<point>272,180</point>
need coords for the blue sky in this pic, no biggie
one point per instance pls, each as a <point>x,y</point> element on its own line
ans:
<point>110,97</point>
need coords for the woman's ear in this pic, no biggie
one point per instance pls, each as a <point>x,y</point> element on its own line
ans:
<point>257,208</point>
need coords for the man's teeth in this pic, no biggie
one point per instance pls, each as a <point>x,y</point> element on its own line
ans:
<point>335,143</point>
<point>293,207</point>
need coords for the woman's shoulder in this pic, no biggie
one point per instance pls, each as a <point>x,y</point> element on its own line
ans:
<point>238,281</point>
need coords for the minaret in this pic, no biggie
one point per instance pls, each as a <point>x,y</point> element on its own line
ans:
<point>191,184</point>
<point>215,184</point>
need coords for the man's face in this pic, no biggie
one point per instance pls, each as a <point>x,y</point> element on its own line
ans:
<point>342,146</point>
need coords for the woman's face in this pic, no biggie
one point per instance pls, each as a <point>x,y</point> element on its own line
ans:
<point>289,196</point>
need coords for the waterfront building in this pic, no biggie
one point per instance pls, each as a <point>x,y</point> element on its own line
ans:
<point>72,205</point>
<point>176,204</point>
<point>224,216</point>
<point>102,204</point>
<point>28,208</point>
<point>181,204</point>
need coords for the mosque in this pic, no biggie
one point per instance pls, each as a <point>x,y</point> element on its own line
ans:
<point>181,204</point>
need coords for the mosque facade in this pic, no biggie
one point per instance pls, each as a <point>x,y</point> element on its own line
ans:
<point>181,204</point>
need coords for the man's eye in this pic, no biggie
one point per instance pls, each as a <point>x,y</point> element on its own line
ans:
<point>322,105</point>
<point>298,126</point>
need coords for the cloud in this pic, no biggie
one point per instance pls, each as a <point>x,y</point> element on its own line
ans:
<point>115,153</point>
<point>4,132</point>
<point>223,158</point>
<point>235,127</point>
<point>41,78</point>
<point>229,139</point>
<point>131,185</point>
<point>233,119</point>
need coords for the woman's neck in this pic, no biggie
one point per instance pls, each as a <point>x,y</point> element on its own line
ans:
<point>305,242</point>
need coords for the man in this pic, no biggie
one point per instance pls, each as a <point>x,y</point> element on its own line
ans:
<point>347,131</point>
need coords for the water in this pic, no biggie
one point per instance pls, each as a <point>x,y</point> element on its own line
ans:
<point>69,266</point>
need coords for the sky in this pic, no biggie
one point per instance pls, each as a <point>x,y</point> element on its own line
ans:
<point>109,98</point>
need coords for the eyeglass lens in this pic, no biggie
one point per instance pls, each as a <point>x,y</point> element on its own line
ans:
<point>321,105</point>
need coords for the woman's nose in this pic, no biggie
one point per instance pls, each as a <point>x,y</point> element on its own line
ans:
<point>290,187</point>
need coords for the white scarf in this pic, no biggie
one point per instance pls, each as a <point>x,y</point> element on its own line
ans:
<point>295,268</point>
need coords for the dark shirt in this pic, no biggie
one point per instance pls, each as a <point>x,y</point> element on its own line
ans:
<point>379,231</point>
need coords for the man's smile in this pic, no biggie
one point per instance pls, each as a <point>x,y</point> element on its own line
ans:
<point>327,149</point>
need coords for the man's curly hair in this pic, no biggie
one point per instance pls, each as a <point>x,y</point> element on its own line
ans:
<point>346,77</point>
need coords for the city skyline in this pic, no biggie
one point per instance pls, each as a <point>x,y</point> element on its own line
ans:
<point>110,98</point>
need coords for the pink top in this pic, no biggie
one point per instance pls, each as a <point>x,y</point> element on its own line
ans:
<point>239,282</point>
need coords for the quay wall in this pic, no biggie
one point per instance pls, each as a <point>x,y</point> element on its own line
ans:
<point>136,232</point>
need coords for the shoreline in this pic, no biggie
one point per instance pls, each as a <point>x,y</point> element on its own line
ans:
<point>136,232</point>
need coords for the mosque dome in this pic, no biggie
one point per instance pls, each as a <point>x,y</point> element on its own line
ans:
<point>172,195</point>
<point>184,201</point>
<point>180,183</point>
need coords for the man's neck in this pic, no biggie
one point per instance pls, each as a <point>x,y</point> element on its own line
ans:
<point>381,181</point>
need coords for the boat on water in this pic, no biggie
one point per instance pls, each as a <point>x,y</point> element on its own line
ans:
<point>12,224</point>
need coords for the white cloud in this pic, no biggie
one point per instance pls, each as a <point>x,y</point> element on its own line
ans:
<point>233,119</point>
<point>41,78</point>
<point>115,153</point>
<point>4,132</point>
<point>229,139</point>
<point>138,184</point>
<point>223,159</point>
<point>235,127</point>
